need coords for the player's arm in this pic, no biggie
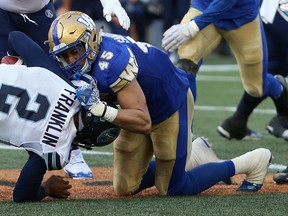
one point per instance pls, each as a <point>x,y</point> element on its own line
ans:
<point>30,191</point>
<point>213,12</point>
<point>133,115</point>
<point>180,33</point>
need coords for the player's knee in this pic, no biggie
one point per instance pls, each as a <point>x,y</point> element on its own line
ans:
<point>121,186</point>
<point>251,55</point>
<point>253,91</point>
<point>188,66</point>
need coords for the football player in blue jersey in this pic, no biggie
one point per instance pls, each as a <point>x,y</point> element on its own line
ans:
<point>275,26</point>
<point>32,16</point>
<point>155,116</point>
<point>239,23</point>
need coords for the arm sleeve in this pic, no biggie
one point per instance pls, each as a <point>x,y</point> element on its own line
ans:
<point>213,12</point>
<point>28,186</point>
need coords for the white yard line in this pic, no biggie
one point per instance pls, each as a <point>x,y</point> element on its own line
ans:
<point>272,167</point>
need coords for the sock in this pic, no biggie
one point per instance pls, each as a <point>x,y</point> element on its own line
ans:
<point>273,87</point>
<point>248,103</point>
<point>205,176</point>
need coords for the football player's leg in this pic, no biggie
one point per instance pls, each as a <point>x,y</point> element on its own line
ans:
<point>192,52</point>
<point>235,127</point>
<point>278,64</point>
<point>77,168</point>
<point>254,164</point>
<point>132,154</point>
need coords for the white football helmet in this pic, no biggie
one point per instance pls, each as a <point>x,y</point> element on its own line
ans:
<point>74,29</point>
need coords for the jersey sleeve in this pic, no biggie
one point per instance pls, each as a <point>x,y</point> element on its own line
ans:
<point>213,12</point>
<point>120,68</point>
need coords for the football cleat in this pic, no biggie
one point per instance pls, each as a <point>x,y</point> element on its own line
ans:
<point>77,167</point>
<point>249,187</point>
<point>281,178</point>
<point>259,161</point>
<point>278,127</point>
<point>233,128</point>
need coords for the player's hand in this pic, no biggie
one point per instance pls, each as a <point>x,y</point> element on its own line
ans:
<point>284,6</point>
<point>88,94</point>
<point>114,8</point>
<point>178,34</point>
<point>56,187</point>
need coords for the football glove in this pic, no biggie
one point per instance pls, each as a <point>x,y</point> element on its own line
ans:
<point>89,97</point>
<point>178,34</point>
<point>113,7</point>
<point>88,94</point>
<point>284,6</point>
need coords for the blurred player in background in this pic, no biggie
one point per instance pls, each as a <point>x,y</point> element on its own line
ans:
<point>238,22</point>
<point>275,26</point>
<point>279,50</point>
<point>155,116</point>
<point>34,17</point>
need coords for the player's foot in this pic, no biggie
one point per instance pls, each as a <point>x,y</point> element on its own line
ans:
<point>278,127</point>
<point>258,163</point>
<point>233,128</point>
<point>78,168</point>
<point>203,153</point>
<point>281,177</point>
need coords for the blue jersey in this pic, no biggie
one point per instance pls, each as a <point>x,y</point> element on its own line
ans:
<point>165,86</point>
<point>225,14</point>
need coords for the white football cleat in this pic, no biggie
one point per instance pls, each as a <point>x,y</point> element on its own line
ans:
<point>77,167</point>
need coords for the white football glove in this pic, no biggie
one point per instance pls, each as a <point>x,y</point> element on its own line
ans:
<point>178,34</point>
<point>113,7</point>
<point>284,6</point>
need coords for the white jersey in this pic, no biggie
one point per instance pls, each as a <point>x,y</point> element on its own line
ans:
<point>23,6</point>
<point>36,111</point>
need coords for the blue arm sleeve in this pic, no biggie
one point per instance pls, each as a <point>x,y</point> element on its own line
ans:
<point>32,54</point>
<point>213,12</point>
<point>28,186</point>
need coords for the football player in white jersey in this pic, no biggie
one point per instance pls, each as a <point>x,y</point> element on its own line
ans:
<point>39,112</point>
<point>32,16</point>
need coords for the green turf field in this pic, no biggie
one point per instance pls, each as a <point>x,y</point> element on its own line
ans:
<point>218,94</point>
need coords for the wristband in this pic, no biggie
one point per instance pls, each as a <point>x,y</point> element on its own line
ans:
<point>194,29</point>
<point>98,109</point>
<point>110,114</point>
<point>106,112</point>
